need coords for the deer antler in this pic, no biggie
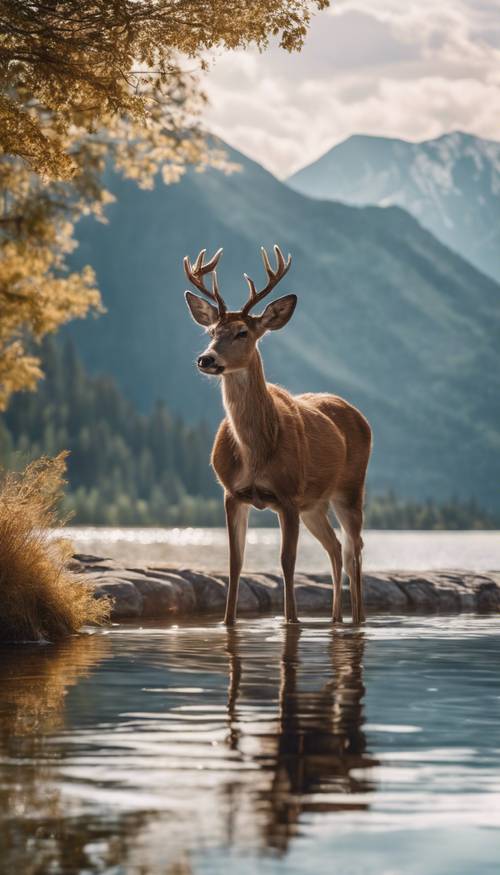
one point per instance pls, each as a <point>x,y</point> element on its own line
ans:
<point>195,273</point>
<point>274,276</point>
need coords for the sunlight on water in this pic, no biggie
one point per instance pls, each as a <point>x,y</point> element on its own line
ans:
<point>207,548</point>
<point>192,749</point>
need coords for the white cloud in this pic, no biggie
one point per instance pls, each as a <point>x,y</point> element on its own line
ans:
<point>412,70</point>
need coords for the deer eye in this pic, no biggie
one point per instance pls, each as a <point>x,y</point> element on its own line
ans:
<point>242,333</point>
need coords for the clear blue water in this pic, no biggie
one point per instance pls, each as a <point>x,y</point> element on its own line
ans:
<point>192,749</point>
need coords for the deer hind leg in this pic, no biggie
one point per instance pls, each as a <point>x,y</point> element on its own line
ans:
<point>289,522</point>
<point>316,520</point>
<point>350,518</point>
<point>237,521</point>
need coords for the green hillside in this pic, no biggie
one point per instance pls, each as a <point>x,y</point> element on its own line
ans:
<point>387,317</point>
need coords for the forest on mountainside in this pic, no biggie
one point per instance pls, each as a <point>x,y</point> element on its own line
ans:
<point>132,469</point>
<point>124,468</point>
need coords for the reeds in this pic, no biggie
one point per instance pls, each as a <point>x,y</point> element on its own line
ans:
<point>39,597</point>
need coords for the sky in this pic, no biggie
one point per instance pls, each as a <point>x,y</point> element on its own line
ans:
<point>413,69</point>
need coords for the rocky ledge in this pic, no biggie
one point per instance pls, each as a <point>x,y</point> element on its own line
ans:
<point>166,591</point>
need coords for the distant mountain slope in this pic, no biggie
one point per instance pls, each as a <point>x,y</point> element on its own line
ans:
<point>387,317</point>
<point>451,185</point>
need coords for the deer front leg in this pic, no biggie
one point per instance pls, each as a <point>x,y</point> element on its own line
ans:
<point>289,522</point>
<point>236,520</point>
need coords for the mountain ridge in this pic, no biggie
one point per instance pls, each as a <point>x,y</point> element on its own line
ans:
<point>456,133</point>
<point>450,184</point>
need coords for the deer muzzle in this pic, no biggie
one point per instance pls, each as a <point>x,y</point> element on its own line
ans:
<point>208,364</point>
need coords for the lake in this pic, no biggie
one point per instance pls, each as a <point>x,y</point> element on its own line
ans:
<point>189,749</point>
<point>198,547</point>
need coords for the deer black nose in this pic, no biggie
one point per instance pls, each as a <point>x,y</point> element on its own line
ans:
<point>206,361</point>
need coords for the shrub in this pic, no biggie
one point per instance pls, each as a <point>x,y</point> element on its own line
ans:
<point>40,598</point>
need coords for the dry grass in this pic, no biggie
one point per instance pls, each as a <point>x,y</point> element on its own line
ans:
<point>39,597</point>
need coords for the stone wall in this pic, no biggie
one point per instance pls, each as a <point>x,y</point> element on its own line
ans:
<point>166,591</point>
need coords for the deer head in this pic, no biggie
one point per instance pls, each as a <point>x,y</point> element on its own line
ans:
<point>234,335</point>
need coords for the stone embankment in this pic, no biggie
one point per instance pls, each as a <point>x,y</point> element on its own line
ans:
<point>158,591</point>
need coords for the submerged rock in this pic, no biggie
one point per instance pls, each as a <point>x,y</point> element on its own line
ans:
<point>165,590</point>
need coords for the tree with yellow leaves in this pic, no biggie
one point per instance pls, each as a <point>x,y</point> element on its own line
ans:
<point>84,83</point>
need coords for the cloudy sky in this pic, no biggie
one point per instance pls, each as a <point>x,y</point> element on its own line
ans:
<point>404,68</point>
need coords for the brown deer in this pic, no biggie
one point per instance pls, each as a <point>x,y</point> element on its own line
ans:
<point>293,454</point>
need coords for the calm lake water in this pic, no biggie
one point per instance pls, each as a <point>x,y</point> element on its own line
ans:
<point>411,551</point>
<point>191,750</point>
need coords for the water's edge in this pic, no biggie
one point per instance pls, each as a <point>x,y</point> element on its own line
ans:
<point>416,551</point>
<point>161,590</point>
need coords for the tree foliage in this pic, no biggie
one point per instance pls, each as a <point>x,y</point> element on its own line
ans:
<point>83,84</point>
<point>74,63</point>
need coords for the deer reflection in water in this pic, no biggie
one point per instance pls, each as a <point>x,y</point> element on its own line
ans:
<point>318,753</point>
<point>241,731</point>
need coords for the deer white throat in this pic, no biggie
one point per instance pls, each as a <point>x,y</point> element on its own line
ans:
<point>251,412</point>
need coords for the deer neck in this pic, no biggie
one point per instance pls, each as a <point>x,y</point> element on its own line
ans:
<point>252,413</point>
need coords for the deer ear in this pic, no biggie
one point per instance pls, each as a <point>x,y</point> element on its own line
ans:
<point>278,313</point>
<point>202,311</point>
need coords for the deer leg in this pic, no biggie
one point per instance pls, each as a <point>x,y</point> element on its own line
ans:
<point>316,520</point>
<point>236,519</point>
<point>289,522</point>
<point>351,520</point>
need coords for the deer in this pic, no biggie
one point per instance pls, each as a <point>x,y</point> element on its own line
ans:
<point>294,454</point>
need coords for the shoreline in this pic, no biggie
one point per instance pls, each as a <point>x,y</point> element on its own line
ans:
<point>159,590</point>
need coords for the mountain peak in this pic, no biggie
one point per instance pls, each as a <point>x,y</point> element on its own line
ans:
<point>451,184</point>
<point>376,141</point>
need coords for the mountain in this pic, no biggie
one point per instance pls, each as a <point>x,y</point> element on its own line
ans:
<point>387,317</point>
<point>450,184</point>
